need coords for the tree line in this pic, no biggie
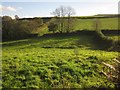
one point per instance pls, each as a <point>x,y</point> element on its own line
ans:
<point>17,29</point>
<point>22,28</point>
<point>62,22</point>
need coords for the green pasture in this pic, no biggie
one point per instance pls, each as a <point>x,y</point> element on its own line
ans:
<point>103,24</point>
<point>55,62</point>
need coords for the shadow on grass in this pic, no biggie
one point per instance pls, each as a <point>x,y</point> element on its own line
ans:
<point>81,39</point>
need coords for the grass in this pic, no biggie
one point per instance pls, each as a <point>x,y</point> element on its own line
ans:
<point>88,24</point>
<point>55,62</point>
<point>38,67</point>
<point>109,24</point>
<point>114,37</point>
<point>82,41</point>
<point>85,24</point>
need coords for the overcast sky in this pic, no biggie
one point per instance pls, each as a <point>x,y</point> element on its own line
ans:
<point>43,8</point>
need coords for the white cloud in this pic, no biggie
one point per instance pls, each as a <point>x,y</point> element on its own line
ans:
<point>20,8</point>
<point>7,8</point>
<point>10,8</point>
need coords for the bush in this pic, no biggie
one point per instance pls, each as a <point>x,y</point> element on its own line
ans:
<point>18,29</point>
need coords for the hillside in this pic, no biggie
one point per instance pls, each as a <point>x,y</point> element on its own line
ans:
<point>37,53</point>
<point>55,61</point>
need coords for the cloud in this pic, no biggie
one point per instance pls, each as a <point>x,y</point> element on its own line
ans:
<point>20,8</point>
<point>10,8</point>
<point>7,8</point>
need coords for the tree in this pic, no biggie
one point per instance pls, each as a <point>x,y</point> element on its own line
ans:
<point>61,13</point>
<point>6,18</point>
<point>16,17</point>
<point>17,29</point>
<point>7,25</point>
<point>52,27</point>
<point>70,12</point>
<point>58,13</point>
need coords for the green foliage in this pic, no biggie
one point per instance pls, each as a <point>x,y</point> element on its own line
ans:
<point>108,43</point>
<point>27,65</point>
<point>53,25</point>
<point>60,61</point>
<point>16,29</point>
<point>43,29</point>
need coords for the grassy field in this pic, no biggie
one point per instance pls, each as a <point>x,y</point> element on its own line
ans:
<point>104,24</point>
<point>58,62</point>
<point>86,24</point>
<point>82,41</point>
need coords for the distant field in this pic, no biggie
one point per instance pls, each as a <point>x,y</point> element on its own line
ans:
<point>104,24</point>
<point>46,62</point>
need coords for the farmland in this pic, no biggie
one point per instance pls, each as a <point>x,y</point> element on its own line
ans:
<point>52,53</point>
<point>60,45</point>
<point>73,61</point>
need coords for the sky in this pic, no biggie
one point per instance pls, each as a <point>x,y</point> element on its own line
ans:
<point>43,8</point>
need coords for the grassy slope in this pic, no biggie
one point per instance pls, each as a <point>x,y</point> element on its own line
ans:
<point>82,41</point>
<point>27,64</point>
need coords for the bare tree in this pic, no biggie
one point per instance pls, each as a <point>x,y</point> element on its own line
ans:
<point>70,12</point>
<point>60,14</point>
<point>63,11</point>
<point>57,14</point>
